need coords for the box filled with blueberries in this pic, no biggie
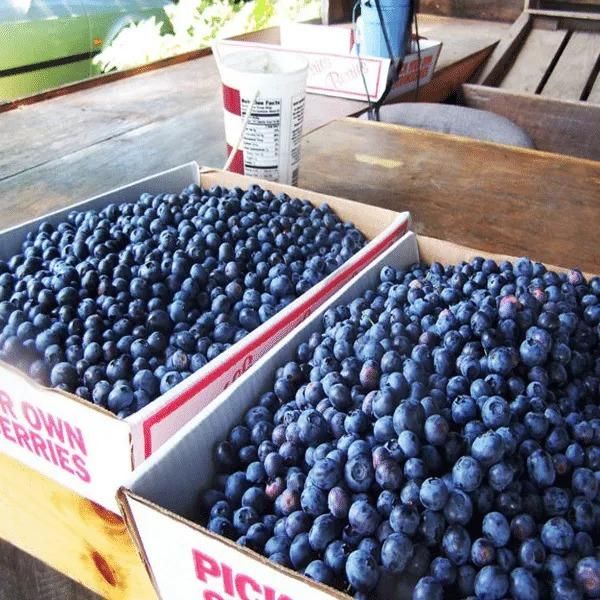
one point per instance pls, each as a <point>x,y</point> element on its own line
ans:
<point>123,316</point>
<point>432,431</point>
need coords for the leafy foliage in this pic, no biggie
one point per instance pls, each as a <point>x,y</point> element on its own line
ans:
<point>196,24</point>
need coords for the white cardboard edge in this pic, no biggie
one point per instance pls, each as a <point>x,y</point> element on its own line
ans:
<point>165,488</point>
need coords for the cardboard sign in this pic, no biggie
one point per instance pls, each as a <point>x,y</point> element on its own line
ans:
<point>334,70</point>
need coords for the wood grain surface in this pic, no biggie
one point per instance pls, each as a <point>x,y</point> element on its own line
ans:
<point>488,196</point>
<point>500,10</point>
<point>534,61</point>
<point>554,125</point>
<point>575,67</point>
<point>72,535</point>
<point>26,577</point>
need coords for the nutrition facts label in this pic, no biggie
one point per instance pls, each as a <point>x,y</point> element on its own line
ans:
<point>262,138</point>
<point>297,119</point>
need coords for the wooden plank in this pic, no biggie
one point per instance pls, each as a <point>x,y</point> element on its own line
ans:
<point>25,578</point>
<point>554,125</point>
<point>563,14</point>
<point>493,10</point>
<point>462,190</point>
<point>505,51</point>
<point>69,533</point>
<point>574,69</point>
<point>533,62</point>
<point>594,96</point>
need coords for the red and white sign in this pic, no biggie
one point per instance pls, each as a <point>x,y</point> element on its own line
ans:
<point>334,70</point>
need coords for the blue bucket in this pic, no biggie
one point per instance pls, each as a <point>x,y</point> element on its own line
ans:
<point>396,16</point>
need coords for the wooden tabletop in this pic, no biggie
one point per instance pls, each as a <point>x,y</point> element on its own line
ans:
<point>487,196</point>
<point>74,146</point>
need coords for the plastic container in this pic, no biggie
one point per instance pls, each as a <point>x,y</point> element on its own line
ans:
<point>396,18</point>
<point>273,87</point>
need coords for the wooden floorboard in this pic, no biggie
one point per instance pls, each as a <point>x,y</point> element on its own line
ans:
<point>25,578</point>
<point>72,535</point>
<point>533,61</point>
<point>573,70</point>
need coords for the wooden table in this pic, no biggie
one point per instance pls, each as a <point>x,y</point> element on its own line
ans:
<point>71,147</point>
<point>75,146</point>
<point>488,196</point>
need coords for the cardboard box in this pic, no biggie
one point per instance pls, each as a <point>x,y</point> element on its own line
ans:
<point>334,68</point>
<point>90,450</point>
<point>186,561</point>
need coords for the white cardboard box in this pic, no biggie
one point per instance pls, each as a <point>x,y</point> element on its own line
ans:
<point>87,448</point>
<point>333,68</point>
<point>186,561</point>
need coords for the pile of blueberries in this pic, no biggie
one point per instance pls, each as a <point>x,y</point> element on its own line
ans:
<point>121,305</point>
<point>439,436</point>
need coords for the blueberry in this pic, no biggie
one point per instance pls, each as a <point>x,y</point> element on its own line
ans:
<point>434,493</point>
<point>491,583</point>
<point>359,473</point>
<point>483,552</point>
<point>532,554</point>
<point>335,556</point>
<point>467,474</point>
<point>396,552</point>
<point>324,530</point>
<point>361,571</point>
<point>557,535</point>
<point>587,576</point>
<point>319,571</point>
<point>404,519</point>
<point>495,527</point>
<point>363,517</point>
<point>428,588</point>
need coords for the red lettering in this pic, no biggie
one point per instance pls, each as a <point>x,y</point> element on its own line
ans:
<point>40,448</point>
<point>80,469</point>
<point>31,415</point>
<point>6,404</point>
<point>244,581</point>
<point>210,595</point>
<point>269,593</point>
<point>75,438</point>
<point>7,430</point>
<point>22,436</point>
<point>52,426</point>
<point>227,579</point>
<point>205,565</point>
<point>63,459</point>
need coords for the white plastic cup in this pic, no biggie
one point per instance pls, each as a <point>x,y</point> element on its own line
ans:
<point>274,85</point>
